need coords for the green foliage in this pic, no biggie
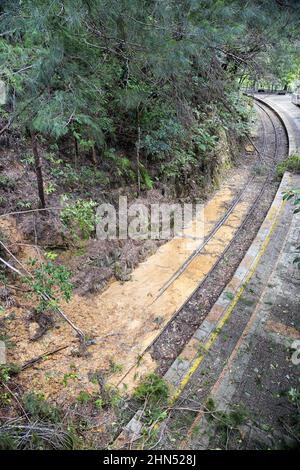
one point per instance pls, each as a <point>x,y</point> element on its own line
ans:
<point>5,399</point>
<point>92,177</point>
<point>24,205</point>
<point>146,181</point>
<point>160,140</point>
<point>294,195</point>
<point>78,217</point>
<point>7,442</point>
<point>99,403</point>
<point>7,370</point>
<point>114,368</point>
<point>226,421</point>
<point>83,397</point>
<point>82,179</point>
<point>292,163</point>
<point>152,389</point>
<point>111,396</point>
<point>38,436</point>
<point>36,405</point>
<point>119,164</point>
<point>28,160</point>
<point>6,182</point>
<point>50,188</point>
<point>102,75</point>
<point>52,280</point>
<point>182,161</point>
<point>69,376</point>
<point>72,375</point>
<point>50,255</point>
<point>294,396</point>
<point>5,337</point>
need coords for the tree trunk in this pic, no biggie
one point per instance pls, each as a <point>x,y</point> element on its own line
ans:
<point>94,156</point>
<point>38,170</point>
<point>76,155</point>
<point>138,146</point>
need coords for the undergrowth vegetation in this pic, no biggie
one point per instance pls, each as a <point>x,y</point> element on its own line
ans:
<point>292,163</point>
<point>105,98</point>
<point>293,195</point>
<point>141,91</point>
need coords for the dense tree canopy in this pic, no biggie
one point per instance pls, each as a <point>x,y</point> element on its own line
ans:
<point>153,78</point>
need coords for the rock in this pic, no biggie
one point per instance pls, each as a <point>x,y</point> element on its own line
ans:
<point>34,331</point>
<point>121,273</point>
<point>4,293</point>
<point>6,297</point>
<point>91,280</point>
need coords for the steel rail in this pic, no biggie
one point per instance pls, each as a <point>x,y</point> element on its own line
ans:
<point>219,260</point>
<point>232,241</point>
<point>221,222</point>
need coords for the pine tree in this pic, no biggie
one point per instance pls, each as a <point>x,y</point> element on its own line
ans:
<point>134,74</point>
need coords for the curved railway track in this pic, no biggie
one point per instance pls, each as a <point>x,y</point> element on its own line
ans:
<point>273,148</point>
<point>275,158</point>
<point>268,162</point>
<point>265,153</point>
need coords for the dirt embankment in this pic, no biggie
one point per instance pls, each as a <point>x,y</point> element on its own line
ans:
<point>95,265</point>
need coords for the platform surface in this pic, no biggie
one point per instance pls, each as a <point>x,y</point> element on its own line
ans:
<point>290,114</point>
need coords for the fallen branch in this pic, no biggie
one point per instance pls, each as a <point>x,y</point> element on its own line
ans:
<point>6,127</point>
<point>15,398</point>
<point>23,433</point>
<point>33,361</point>
<point>29,211</point>
<point>43,294</point>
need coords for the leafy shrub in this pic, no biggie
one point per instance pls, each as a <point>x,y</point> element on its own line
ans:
<point>294,194</point>
<point>78,216</point>
<point>152,389</point>
<point>146,181</point>
<point>7,441</point>
<point>120,164</point>
<point>49,279</point>
<point>84,177</point>
<point>182,161</point>
<point>292,163</point>
<point>50,188</point>
<point>83,397</point>
<point>98,403</point>
<point>6,182</point>
<point>28,160</point>
<point>7,370</point>
<point>24,204</point>
<point>92,177</point>
<point>37,407</point>
<point>161,140</point>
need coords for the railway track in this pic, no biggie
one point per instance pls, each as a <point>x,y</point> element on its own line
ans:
<point>274,135</point>
<point>268,161</point>
<point>273,148</point>
<point>265,157</point>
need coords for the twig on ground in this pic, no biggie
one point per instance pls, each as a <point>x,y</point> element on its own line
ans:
<point>43,294</point>
<point>15,398</point>
<point>33,361</point>
<point>29,211</point>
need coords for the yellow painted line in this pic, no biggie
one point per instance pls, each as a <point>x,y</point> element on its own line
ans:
<point>228,311</point>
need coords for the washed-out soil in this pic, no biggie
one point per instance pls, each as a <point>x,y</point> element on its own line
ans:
<point>183,325</point>
<point>94,264</point>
